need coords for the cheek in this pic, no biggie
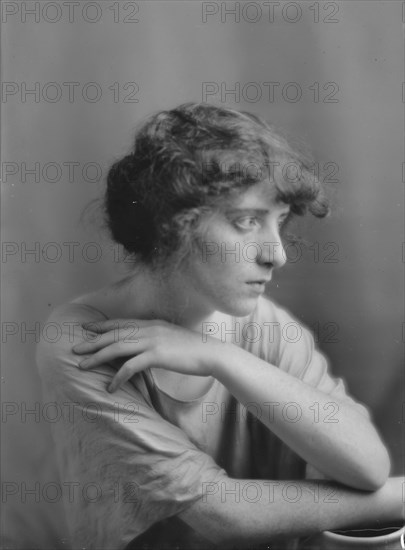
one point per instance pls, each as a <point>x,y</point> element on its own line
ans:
<point>221,259</point>
<point>222,264</point>
<point>212,277</point>
<point>230,250</point>
<point>221,283</point>
<point>217,240</point>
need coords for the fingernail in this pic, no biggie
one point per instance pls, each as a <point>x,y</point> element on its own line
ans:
<point>83,363</point>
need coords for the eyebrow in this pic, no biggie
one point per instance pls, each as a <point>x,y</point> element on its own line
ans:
<point>261,211</point>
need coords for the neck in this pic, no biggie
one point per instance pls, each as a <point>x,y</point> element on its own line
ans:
<point>148,295</point>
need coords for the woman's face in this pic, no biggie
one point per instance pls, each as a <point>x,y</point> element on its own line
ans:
<point>240,246</point>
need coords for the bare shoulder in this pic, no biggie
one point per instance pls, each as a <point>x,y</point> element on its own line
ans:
<point>92,299</point>
<point>110,300</point>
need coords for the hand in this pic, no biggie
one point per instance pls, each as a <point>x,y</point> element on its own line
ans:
<point>148,343</point>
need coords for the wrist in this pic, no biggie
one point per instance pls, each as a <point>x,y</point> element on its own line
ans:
<point>223,359</point>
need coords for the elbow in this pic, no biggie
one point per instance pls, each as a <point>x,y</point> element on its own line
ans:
<point>369,471</point>
<point>373,484</point>
<point>376,474</point>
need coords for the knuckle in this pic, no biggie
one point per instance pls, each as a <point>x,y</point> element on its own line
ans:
<point>156,354</point>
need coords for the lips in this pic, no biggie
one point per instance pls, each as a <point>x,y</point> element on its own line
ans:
<point>257,286</point>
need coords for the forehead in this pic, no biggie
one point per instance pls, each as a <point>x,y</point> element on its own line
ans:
<point>260,195</point>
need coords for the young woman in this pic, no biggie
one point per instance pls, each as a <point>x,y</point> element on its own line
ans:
<point>197,412</point>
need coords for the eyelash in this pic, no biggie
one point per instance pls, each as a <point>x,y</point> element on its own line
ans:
<point>239,224</point>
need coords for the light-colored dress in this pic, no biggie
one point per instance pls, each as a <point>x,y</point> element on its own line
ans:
<point>139,456</point>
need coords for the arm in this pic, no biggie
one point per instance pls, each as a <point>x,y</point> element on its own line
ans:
<point>215,512</point>
<point>340,449</point>
<point>288,509</point>
<point>123,467</point>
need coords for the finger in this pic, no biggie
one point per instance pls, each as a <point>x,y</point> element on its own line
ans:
<point>116,324</point>
<point>128,369</point>
<point>127,335</point>
<point>111,352</point>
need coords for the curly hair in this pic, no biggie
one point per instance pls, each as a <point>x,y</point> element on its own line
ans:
<point>184,162</point>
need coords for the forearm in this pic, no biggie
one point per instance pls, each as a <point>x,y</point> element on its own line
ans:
<point>332,436</point>
<point>240,511</point>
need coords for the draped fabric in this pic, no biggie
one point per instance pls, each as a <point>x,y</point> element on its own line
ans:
<point>147,455</point>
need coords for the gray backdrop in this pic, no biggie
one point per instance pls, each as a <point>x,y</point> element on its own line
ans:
<point>330,72</point>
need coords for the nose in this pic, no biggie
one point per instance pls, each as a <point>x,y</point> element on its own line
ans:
<point>271,251</point>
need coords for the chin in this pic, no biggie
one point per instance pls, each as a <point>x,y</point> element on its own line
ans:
<point>240,308</point>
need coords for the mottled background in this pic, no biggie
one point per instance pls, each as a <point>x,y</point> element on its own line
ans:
<point>344,58</point>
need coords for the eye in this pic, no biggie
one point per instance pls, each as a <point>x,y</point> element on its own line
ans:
<point>247,222</point>
<point>283,221</point>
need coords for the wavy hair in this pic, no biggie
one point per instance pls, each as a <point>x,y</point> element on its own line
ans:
<point>184,162</point>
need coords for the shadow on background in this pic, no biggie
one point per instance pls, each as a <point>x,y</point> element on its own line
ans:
<point>354,304</point>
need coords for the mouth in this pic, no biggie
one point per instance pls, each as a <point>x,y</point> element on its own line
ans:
<point>259,285</point>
